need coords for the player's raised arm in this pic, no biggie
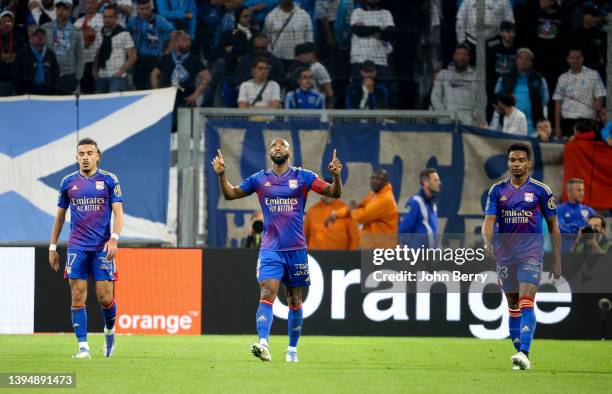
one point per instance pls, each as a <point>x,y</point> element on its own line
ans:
<point>58,224</point>
<point>335,168</point>
<point>230,192</point>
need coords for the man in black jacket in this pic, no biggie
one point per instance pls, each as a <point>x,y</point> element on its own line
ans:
<point>260,49</point>
<point>37,67</point>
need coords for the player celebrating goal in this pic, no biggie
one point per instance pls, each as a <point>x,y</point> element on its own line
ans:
<point>518,204</point>
<point>282,192</point>
<point>91,194</point>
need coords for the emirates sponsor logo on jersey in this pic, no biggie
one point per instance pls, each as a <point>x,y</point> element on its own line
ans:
<point>88,204</point>
<point>516,216</point>
<point>280,204</point>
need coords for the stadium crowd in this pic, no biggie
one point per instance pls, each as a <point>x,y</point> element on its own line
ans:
<point>549,55</point>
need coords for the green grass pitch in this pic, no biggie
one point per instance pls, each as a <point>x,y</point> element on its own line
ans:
<point>214,364</point>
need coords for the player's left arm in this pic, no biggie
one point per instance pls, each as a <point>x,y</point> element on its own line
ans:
<point>549,209</point>
<point>335,189</point>
<point>110,247</point>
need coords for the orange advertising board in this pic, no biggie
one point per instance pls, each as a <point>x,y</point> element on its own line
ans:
<point>159,291</point>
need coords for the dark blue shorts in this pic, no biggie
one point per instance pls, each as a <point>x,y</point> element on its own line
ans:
<point>518,270</point>
<point>290,267</point>
<point>82,263</point>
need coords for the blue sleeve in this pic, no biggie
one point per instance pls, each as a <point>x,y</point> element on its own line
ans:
<point>491,207</point>
<point>544,92</point>
<point>165,11</point>
<point>63,201</point>
<point>289,101</point>
<point>165,25</point>
<point>114,189</point>
<point>564,227</point>
<point>308,176</point>
<point>606,132</point>
<point>249,185</point>
<point>409,218</point>
<point>547,203</point>
<point>498,86</point>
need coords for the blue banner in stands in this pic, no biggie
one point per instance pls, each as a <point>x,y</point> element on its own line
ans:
<point>469,161</point>
<point>38,148</point>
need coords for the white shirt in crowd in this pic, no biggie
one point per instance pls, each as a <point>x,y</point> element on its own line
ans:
<point>370,48</point>
<point>515,123</point>
<point>321,75</point>
<point>96,24</point>
<point>120,43</point>
<point>328,9</point>
<point>454,91</point>
<point>496,11</point>
<point>577,93</point>
<point>297,31</point>
<point>250,89</point>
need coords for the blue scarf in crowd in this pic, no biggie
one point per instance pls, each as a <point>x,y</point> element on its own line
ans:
<point>180,73</point>
<point>61,44</point>
<point>39,77</point>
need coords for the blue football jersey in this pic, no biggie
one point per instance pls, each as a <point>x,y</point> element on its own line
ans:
<point>282,200</point>
<point>90,202</point>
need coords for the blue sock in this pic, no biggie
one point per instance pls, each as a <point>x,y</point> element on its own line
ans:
<point>295,325</point>
<point>79,322</point>
<point>264,318</point>
<point>109,312</point>
<point>528,323</point>
<point>514,324</point>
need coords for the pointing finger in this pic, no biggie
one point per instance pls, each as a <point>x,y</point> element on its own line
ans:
<point>334,155</point>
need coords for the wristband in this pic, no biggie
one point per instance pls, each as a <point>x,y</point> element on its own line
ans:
<point>52,247</point>
<point>115,236</point>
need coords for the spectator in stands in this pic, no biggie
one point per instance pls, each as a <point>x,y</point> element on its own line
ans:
<point>37,67</point>
<point>259,91</point>
<point>260,9</point>
<point>454,87</point>
<point>182,14</point>
<point>495,12</point>
<point>584,130</point>
<point>253,239</point>
<point>151,33</point>
<point>91,26</point>
<point>578,96</point>
<point>514,121</point>
<point>376,213</point>
<point>287,26</point>
<point>115,56</point>
<point>366,93</point>
<point>337,235</point>
<point>420,218</point>
<point>11,43</point>
<point>592,238</point>
<point>501,54</point>
<point>333,27</point>
<point>528,87</point>
<point>123,8</point>
<point>208,25</point>
<point>373,31</point>
<point>235,44</point>
<point>304,97</point>
<point>260,49</point>
<point>306,56</point>
<point>183,69</point>
<point>572,214</point>
<point>67,44</point>
<point>542,28</point>
<point>591,39</point>
<point>41,12</point>
<point>544,129</point>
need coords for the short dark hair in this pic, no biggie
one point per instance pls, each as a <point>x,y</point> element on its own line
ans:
<point>260,59</point>
<point>506,99</point>
<point>298,72</point>
<point>305,47</point>
<point>463,45</point>
<point>143,2</point>
<point>111,7</point>
<point>424,175</point>
<point>89,141</point>
<point>575,49</point>
<point>574,181</point>
<point>507,26</point>
<point>600,217</point>
<point>583,126</point>
<point>260,36</point>
<point>520,146</point>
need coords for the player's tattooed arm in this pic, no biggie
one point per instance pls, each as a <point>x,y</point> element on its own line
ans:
<point>335,168</point>
<point>555,238</point>
<point>487,236</point>
<point>230,192</point>
<point>58,223</point>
